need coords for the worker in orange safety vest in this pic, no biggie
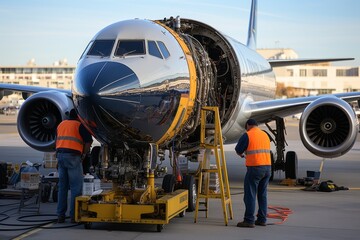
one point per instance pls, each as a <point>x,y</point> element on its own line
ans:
<point>255,145</point>
<point>73,142</point>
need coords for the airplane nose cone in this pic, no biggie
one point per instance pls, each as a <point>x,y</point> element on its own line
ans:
<point>102,96</point>
<point>113,104</point>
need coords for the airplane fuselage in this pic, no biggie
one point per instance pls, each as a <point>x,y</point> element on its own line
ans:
<point>142,81</point>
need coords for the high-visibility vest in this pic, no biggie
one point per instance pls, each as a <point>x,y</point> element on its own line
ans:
<point>258,150</point>
<point>68,136</point>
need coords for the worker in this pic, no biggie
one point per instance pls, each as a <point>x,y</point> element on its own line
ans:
<point>73,142</point>
<point>255,145</point>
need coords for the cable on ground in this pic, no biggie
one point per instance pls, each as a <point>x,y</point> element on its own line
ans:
<point>280,213</point>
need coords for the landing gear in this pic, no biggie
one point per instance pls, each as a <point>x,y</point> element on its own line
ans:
<point>168,183</point>
<point>189,184</point>
<point>272,166</point>
<point>291,165</point>
<point>288,164</point>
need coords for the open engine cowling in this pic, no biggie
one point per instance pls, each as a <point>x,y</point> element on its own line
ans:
<point>39,117</point>
<point>328,127</point>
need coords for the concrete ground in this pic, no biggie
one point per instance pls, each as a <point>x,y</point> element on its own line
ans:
<point>312,215</point>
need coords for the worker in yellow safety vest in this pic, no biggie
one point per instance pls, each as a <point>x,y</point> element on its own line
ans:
<point>255,145</point>
<point>73,142</point>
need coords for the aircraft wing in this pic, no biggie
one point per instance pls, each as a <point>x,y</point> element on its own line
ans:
<point>28,89</point>
<point>290,62</point>
<point>266,110</point>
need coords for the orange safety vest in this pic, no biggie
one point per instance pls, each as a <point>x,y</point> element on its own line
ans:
<point>258,150</point>
<point>68,136</point>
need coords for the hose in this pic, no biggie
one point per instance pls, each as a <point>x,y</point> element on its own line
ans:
<point>280,213</point>
<point>39,223</point>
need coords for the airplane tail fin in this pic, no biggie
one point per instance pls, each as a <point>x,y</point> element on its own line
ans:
<point>251,41</point>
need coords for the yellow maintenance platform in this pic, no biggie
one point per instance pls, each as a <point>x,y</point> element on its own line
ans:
<point>147,206</point>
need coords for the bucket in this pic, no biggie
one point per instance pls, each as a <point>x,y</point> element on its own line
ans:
<point>30,178</point>
<point>88,185</point>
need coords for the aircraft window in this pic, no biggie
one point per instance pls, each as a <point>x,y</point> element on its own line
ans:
<point>101,48</point>
<point>130,47</point>
<point>163,49</point>
<point>153,49</point>
<point>86,49</point>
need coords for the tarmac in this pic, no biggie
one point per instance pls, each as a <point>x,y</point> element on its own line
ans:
<point>306,214</point>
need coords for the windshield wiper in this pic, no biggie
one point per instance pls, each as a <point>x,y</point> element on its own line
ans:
<point>127,53</point>
<point>101,53</point>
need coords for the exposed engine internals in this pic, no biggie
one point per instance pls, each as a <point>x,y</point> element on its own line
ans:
<point>218,73</point>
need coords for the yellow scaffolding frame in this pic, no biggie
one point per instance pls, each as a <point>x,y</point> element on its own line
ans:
<point>211,139</point>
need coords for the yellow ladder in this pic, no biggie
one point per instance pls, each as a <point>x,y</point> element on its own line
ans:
<point>211,140</point>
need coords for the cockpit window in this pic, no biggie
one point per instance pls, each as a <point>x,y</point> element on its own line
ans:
<point>163,49</point>
<point>101,48</point>
<point>153,49</point>
<point>86,49</point>
<point>130,47</point>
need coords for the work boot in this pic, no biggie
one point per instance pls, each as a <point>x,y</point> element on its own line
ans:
<point>258,223</point>
<point>245,225</point>
<point>61,219</point>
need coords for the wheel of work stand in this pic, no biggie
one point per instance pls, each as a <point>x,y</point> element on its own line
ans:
<point>189,184</point>
<point>159,227</point>
<point>291,165</point>
<point>168,183</point>
<point>87,225</point>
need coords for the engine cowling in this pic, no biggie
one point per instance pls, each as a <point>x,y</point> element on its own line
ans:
<point>328,127</point>
<point>39,117</point>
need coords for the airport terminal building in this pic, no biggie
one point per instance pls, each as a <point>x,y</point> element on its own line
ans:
<point>300,80</point>
<point>59,75</point>
<point>313,79</point>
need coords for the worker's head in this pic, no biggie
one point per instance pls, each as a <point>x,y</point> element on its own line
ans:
<point>73,115</point>
<point>250,124</point>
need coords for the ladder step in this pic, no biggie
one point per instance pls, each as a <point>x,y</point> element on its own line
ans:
<point>213,196</point>
<point>210,170</point>
<point>210,195</point>
<point>210,146</point>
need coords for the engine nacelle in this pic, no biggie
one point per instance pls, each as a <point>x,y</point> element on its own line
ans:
<point>39,117</point>
<point>328,127</point>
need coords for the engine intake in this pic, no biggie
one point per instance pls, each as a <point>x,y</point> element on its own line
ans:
<point>39,117</point>
<point>328,127</point>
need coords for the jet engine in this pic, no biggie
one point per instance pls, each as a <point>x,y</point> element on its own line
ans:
<point>39,117</point>
<point>328,127</point>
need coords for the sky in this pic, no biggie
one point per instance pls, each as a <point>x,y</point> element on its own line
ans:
<point>51,30</point>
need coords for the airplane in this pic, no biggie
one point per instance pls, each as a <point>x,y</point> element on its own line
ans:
<point>139,87</point>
